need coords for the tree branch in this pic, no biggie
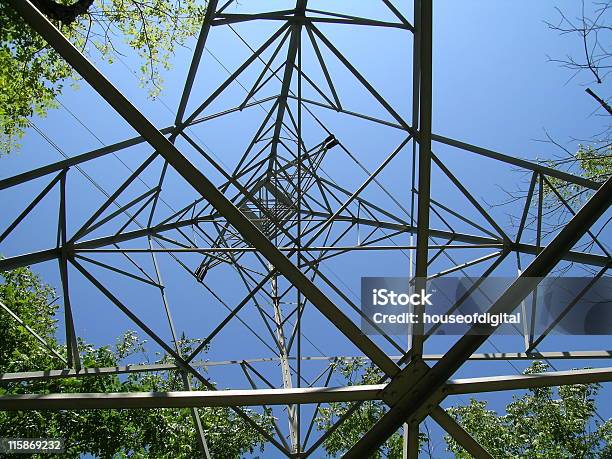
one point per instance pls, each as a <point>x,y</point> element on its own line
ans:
<point>66,14</point>
<point>599,99</point>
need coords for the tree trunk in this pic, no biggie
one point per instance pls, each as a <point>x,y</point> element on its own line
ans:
<point>66,14</point>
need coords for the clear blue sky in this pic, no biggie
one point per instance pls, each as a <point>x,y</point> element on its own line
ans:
<point>493,86</point>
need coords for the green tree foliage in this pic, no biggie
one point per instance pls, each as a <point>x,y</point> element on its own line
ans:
<point>23,293</point>
<point>592,159</point>
<point>544,423</point>
<point>591,162</point>
<point>355,426</point>
<point>151,433</point>
<point>32,74</point>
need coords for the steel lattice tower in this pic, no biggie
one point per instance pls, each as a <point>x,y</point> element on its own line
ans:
<point>275,219</point>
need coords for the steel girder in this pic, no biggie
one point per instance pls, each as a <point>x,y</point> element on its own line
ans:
<point>85,372</point>
<point>183,399</point>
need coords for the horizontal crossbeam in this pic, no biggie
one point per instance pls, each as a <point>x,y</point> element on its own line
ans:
<point>186,399</point>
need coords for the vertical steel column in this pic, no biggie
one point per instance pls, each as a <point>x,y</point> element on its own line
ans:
<point>416,78</point>
<point>284,357</point>
<point>424,138</point>
<point>72,348</point>
<point>298,241</point>
<point>423,30</point>
<point>296,33</point>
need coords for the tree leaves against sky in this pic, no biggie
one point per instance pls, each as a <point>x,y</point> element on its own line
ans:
<point>32,74</point>
<point>543,423</point>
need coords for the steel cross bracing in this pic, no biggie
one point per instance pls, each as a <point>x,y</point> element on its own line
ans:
<point>297,201</point>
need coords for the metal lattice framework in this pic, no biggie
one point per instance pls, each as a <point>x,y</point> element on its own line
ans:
<point>277,218</point>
